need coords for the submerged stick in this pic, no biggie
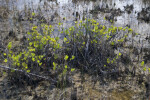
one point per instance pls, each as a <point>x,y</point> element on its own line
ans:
<point>32,74</point>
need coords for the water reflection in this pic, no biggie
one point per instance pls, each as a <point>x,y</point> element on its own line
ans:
<point>55,10</point>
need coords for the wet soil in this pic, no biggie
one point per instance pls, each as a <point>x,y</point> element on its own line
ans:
<point>81,89</point>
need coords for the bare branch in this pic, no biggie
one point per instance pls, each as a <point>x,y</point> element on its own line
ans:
<point>29,74</point>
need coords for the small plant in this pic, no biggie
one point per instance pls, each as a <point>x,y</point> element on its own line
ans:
<point>93,44</point>
<point>41,53</point>
<point>87,45</point>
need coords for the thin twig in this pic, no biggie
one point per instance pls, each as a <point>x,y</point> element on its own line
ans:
<point>32,74</point>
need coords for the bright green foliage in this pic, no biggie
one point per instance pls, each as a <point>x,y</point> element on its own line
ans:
<point>40,47</point>
<point>54,66</point>
<point>120,54</point>
<point>9,45</point>
<point>142,63</point>
<point>66,57</point>
<point>66,66</point>
<point>149,69</point>
<point>33,14</point>
<point>72,58</point>
<point>108,60</point>
<point>28,71</point>
<point>72,69</point>
<point>144,69</point>
<point>5,60</point>
<point>4,54</point>
<point>88,44</point>
<point>65,39</point>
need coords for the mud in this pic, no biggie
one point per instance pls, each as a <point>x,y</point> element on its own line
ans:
<point>89,88</point>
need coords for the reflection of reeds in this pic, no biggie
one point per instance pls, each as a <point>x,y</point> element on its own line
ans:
<point>146,2</point>
<point>4,12</point>
<point>75,1</point>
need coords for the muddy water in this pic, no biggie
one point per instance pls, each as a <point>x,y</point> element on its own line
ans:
<point>122,12</point>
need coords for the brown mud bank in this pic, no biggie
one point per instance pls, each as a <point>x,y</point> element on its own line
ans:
<point>82,87</point>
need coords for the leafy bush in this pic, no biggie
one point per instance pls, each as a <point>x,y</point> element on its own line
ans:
<point>94,45</point>
<point>86,45</point>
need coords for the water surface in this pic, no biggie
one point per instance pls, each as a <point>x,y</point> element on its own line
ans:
<point>55,11</point>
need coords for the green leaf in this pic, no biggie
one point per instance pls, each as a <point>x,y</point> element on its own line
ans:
<point>4,54</point>
<point>12,70</point>
<point>120,54</point>
<point>149,69</point>
<point>66,66</point>
<point>57,38</point>
<point>26,67</point>
<point>65,39</point>
<point>112,43</point>
<point>40,63</point>
<point>66,57</point>
<point>112,61</point>
<point>58,46</point>
<point>9,45</point>
<point>54,64</point>
<point>5,60</point>
<point>130,29</point>
<point>73,57</point>
<point>28,71</point>
<point>24,64</point>
<point>72,69</point>
<point>33,59</point>
<point>33,14</point>
<point>144,69</point>
<point>30,43</point>
<point>83,43</point>
<point>59,23</point>
<point>18,64</point>
<point>120,28</point>
<point>142,63</point>
<point>136,33</point>
<point>28,33</point>
<point>4,73</point>
<point>33,54</point>
<point>108,60</point>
